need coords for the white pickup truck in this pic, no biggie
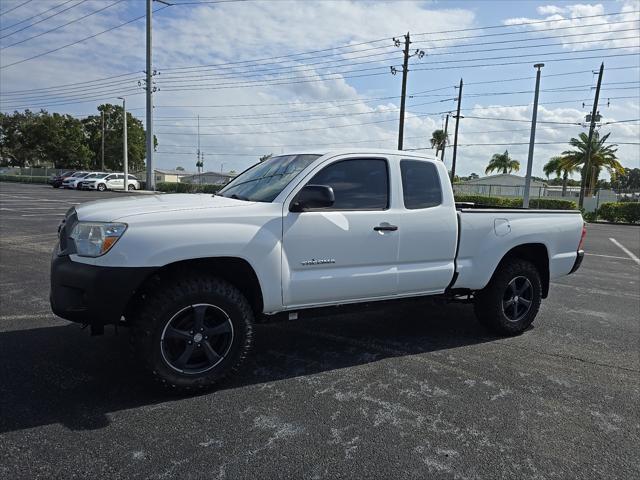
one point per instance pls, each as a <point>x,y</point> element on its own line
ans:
<point>190,273</point>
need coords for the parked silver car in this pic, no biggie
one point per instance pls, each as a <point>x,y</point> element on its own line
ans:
<point>73,180</point>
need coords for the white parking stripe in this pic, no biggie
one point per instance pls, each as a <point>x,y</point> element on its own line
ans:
<point>606,256</point>
<point>625,250</point>
<point>59,214</point>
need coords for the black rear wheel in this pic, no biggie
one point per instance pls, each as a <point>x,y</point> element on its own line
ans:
<point>511,300</point>
<point>193,332</point>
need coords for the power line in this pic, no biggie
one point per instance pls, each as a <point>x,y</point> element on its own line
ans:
<point>388,56</point>
<point>73,85</point>
<point>528,23</point>
<point>299,130</point>
<point>44,19</point>
<point>334,48</point>
<point>430,33</point>
<point>81,40</point>
<point>15,8</point>
<point>218,65</point>
<point>63,25</point>
<point>547,37</point>
<point>36,15</point>
<point>128,93</point>
<point>274,82</point>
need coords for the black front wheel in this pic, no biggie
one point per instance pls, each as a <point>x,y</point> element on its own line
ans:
<point>193,332</point>
<point>511,300</point>
<point>101,187</point>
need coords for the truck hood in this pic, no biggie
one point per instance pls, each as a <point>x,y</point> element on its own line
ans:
<point>121,208</point>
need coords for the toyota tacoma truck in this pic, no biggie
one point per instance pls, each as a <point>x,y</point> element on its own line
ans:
<point>191,273</point>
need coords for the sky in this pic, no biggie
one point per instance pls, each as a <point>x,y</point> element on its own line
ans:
<point>278,76</point>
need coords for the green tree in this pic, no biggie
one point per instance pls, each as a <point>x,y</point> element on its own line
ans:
<point>180,169</point>
<point>18,142</point>
<point>559,167</point>
<point>502,161</point>
<point>602,157</point>
<point>33,138</point>
<point>136,139</point>
<point>627,180</point>
<point>438,140</point>
<point>266,157</point>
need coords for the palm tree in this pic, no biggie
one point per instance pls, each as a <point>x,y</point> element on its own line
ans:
<point>561,168</point>
<point>438,140</point>
<point>502,161</point>
<point>602,156</point>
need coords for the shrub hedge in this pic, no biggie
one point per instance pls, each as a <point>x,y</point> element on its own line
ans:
<point>542,203</point>
<point>628,212</point>
<point>170,187</point>
<point>23,179</point>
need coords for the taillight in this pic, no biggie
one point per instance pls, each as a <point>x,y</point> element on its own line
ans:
<point>583,236</point>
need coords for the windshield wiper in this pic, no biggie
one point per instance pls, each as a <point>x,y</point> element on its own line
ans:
<point>238,197</point>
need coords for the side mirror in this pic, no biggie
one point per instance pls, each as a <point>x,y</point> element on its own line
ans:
<point>312,196</point>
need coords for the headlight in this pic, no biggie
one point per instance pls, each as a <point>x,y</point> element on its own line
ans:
<point>93,239</point>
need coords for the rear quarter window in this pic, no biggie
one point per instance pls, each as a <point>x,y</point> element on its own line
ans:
<point>420,184</point>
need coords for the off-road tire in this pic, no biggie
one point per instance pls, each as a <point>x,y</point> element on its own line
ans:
<point>489,302</point>
<point>160,305</point>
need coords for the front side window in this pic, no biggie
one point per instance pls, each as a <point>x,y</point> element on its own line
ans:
<point>264,181</point>
<point>420,184</point>
<point>358,184</point>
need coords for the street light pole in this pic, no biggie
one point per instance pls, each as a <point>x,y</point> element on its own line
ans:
<point>532,138</point>
<point>151,178</point>
<point>125,158</point>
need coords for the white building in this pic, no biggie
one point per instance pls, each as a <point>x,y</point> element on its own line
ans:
<point>209,178</point>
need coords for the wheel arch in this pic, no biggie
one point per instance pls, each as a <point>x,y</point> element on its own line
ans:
<point>234,270</point>
<point>535,253</point>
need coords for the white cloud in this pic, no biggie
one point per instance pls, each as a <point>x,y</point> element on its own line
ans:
<point>595,32</point>
<point>550,10</point>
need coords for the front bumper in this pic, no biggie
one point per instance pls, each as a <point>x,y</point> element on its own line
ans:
<point>91,294</point>
<point>578,261</point>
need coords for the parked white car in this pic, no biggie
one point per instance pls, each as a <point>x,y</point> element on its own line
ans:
<point>109,181</point>
<point>73,180</point>
<point>191,272</point>
<point>82,184</point>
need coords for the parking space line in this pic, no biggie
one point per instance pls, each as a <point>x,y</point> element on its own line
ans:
<point>59,214</point>
<point>606,256</point>
<point>625,250</point>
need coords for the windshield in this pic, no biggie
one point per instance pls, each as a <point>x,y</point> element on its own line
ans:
<point>264,181</point>
<point>96,175</point>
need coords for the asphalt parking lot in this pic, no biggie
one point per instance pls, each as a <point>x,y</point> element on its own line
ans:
<point>414,391</point>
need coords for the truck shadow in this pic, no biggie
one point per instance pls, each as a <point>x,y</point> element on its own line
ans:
<point>61,375</point>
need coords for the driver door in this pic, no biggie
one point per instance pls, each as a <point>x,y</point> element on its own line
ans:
<point>337,254</point>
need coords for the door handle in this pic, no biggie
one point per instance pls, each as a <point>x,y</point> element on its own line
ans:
<point>385,227</point>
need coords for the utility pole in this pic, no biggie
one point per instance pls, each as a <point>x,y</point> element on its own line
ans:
<point>532,138</point>
<point>102,148</point>
<point>455,135</point>
<point>586,169</point>
<point>151,179</point>
<point>125,158</point>
<point>446,126</point>
<point>405,74</point>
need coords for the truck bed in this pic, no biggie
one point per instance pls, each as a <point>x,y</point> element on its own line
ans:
<point>487,233</point>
